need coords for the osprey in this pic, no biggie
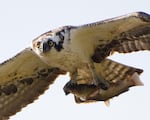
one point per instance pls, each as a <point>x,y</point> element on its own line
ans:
<point>82,51</point>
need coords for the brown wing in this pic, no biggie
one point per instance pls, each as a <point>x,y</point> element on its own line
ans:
<point>120,77</point>
<point>134,40</point>
<point>107,30</point>
<point>123,34</point>
<point>22,79</point>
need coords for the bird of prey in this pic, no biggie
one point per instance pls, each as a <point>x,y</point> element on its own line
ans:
<point>82,51</point>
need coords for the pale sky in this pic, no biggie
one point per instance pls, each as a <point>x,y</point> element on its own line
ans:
<point>22,21</point>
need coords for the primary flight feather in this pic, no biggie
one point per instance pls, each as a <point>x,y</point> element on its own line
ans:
<point>70,49</point>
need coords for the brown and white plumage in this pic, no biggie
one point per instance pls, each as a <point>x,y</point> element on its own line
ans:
<point>22,79</point>
<point>121,78</point>
<point>68,49</point>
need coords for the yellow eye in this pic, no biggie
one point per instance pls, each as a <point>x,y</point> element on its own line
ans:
<point>38,44</point>
<point>51,43</point>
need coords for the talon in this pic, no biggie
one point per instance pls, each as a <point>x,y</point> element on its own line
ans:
<point>104,86</point>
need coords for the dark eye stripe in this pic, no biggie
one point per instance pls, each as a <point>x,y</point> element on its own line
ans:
<point>38,43</point>
<point>49,40</point>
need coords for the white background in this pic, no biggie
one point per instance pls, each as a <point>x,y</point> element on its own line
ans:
<point>22,21</point>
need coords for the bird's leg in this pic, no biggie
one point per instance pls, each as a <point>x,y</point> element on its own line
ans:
<point>73,76</point>
<point>98,81</point>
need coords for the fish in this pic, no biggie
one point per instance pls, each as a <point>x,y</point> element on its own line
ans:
<point>85,92</point>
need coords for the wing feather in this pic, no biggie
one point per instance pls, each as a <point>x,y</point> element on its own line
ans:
<point>135,39</point>
<point>123,34</point>
<point>22,79</point>
<point>107,30</point>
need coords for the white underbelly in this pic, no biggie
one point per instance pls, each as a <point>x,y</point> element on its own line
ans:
<point>75,53</point>
<point>65,60</point>
<point>84,48</point>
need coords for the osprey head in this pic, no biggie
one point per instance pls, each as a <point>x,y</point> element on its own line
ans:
<point>47,42</point>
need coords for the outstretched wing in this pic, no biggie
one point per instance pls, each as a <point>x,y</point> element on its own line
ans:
<point>120,77</point>
<point>123,34</point>
<point>22,79</point>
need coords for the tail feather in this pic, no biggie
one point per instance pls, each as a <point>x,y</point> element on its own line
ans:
<point>136,80</point>
<point>113,71</point>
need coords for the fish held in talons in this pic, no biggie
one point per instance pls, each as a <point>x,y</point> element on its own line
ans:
<point>85,93</point>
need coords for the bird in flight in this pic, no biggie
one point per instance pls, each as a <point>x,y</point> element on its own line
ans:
<point>82,51</point>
